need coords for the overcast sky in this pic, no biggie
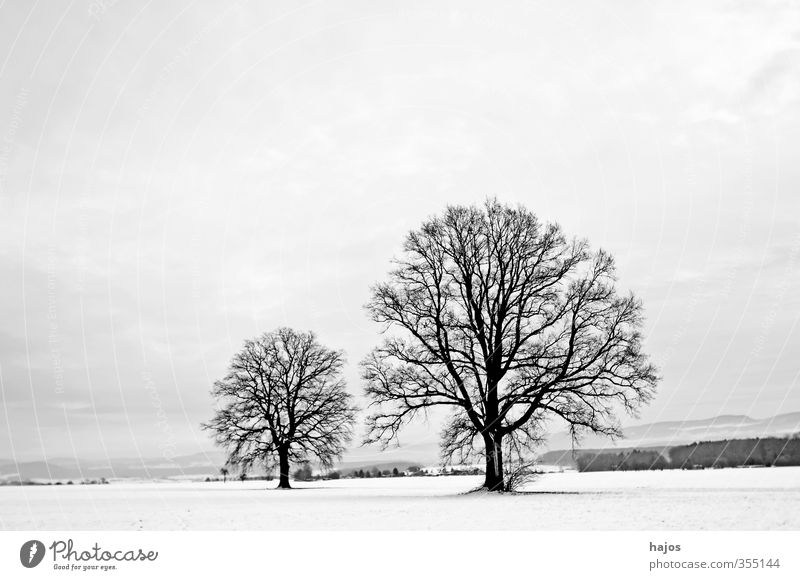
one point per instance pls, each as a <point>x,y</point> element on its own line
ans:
<point>176,177</point>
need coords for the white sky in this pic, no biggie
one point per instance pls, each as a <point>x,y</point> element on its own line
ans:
<point>176,177</point>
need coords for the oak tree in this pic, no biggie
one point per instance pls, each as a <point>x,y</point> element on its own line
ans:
<point>283,400</point>
<point>504,321</point>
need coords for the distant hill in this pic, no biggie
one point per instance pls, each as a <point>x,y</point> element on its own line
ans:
<point>669,433</point>
<point>757,452</point>
<point>424,453</point>
<point>568,457</point>
<point>557,451</point>
<point>195,465</point>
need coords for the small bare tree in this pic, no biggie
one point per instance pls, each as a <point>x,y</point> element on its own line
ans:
<point>501,318</point>
<point>283,400</point>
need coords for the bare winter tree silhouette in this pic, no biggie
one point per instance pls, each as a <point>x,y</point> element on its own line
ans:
<point>283,400</point>
<point>499,317</point>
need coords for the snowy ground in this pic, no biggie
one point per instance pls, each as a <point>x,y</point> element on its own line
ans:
<point>724,499</point>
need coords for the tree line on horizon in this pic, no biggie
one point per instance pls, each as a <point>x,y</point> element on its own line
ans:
<point>754,452</point>
<point>488,313</point>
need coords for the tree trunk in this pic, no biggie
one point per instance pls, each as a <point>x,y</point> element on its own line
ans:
<point>283,467</point>
<point>494,462</point>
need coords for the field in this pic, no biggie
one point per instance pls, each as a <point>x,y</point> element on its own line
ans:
<point>722,499</point>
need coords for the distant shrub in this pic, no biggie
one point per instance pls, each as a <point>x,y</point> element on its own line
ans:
<point>303,473</point>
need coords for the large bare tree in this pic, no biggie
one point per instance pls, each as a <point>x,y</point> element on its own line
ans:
<point>283,400</point>
<point>505,321</point>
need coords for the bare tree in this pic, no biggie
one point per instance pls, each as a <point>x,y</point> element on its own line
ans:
<point>224,472</point>
<point>283,399</point>
<point>506,322</point>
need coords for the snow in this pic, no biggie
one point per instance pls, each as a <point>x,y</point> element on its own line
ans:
<point>722,499</point>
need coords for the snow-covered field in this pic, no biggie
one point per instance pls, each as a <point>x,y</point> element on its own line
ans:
<point>724,499</point>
